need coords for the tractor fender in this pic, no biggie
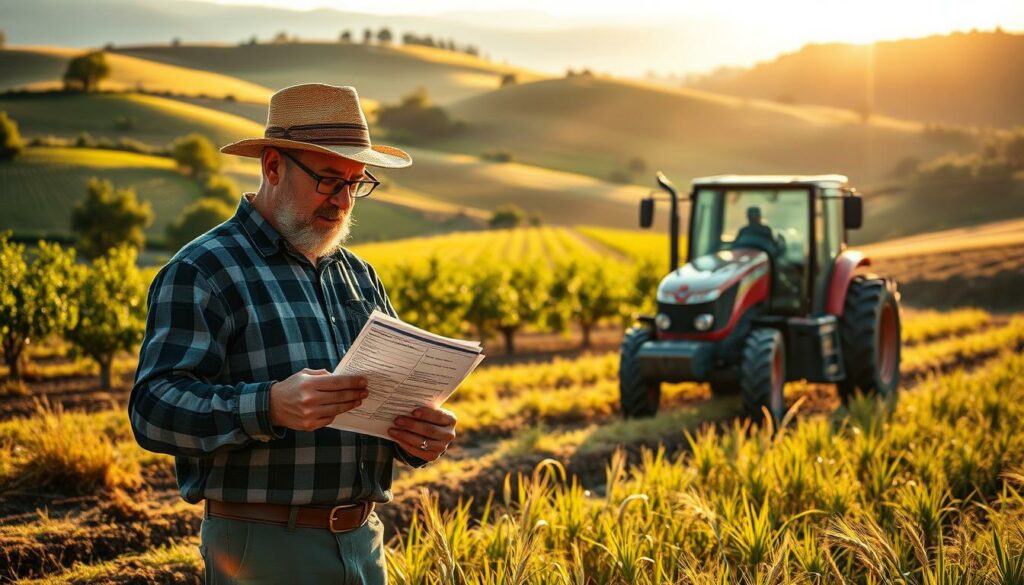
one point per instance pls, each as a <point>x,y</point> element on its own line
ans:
<point>843,270</point>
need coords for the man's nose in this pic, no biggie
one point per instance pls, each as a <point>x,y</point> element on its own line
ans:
<point>342,199</point>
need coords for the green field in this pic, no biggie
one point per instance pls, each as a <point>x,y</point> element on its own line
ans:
<point>38,191</point>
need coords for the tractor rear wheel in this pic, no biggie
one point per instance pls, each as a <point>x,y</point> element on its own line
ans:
<point>870,334</point>
<point>639,396</point>
<point>763,374</point>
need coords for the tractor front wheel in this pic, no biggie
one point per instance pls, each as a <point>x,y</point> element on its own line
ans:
<point>763,374</point>
<point>639,396</point>
<point>870,334</point>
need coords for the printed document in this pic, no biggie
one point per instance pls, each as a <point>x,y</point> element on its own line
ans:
<point>405,367</point>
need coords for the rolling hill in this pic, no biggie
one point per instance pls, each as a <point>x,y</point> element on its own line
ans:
<point>461,185</point>
<point>595,125</point>
<point>158,120</point>
<point>381,72</point>
<point>38,68</point>
<point>39,189</point>
<point>972,78</point>
<point>440,185</point>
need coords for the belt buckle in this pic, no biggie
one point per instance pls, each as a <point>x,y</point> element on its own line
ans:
<point>332,517</point>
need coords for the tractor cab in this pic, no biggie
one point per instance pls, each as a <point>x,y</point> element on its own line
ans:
<point>769,293</point>
<point>798,222</point>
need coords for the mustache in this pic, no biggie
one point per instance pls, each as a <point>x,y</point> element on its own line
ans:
<point>329,211</point>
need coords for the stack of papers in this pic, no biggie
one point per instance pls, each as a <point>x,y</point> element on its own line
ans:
<point>405,367</point>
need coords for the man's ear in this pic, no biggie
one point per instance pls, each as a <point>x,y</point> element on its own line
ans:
<point>270,160</point>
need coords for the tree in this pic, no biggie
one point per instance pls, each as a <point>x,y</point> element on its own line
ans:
<point>196,155</point>
<point>415,119</point>
<point>106,218</point>
<point>1014,149</point>
<point>492,296</point>
<point>509,79</point>
<point>346,36</point>
<point>280,38</point>
<point>11,144</point>
<point>34,298</point>
<point>430,294</point>
<point>86,71</point>
<point>601,295</point>
<point>222,189</point>
<point>587,292</point>
<point>507,216</point>
<point>527,306</point>
<point>367,36</point>
<point>646,278</point>
<point>384,35</point>
<point>196,219</point>
<point>636,165</point>
<point>111,310</point>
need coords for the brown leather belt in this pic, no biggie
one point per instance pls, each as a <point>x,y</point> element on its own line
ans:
<point>337,519</point>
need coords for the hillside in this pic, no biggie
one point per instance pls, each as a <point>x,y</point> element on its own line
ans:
<point>38,192</point>
<point>383,73</point>
<point>962,78</point>
<point>158,120</point>
<point>595,125</point>
<point>43,67</point>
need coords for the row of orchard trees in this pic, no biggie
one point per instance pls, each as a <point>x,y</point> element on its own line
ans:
<point>99,308</point>
<point>503,297</point>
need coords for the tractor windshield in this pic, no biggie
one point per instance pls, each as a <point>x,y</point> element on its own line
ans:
<point>776,221</point>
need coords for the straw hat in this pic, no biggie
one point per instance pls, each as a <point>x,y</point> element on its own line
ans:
<point>320,118</point>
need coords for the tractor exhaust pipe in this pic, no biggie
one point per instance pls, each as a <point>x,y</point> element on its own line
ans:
<point>647,218</point>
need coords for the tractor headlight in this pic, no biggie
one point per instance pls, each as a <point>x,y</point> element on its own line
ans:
<point>663,321</point>
<point>704,321</point>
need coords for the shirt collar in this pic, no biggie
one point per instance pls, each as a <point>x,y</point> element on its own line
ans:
<point>264,236</point>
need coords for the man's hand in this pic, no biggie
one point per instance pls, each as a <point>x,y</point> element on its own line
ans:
<point>426,433</point>
<point>310,399</point>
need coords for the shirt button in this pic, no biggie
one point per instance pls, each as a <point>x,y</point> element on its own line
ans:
<point>362,465</point>
<point>333,320</point>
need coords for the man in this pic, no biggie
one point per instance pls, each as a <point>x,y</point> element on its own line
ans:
<point>759,235</point>
<point>246,324</point>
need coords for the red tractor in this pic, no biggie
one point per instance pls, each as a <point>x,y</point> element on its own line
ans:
<point>770,293</point>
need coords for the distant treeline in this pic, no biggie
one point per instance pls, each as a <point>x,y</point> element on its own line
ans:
<point>382,36</point>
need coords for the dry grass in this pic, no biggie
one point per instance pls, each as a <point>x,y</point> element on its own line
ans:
<point>55,451</point>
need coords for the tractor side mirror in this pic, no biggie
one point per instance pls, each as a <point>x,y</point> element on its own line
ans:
<point>853,212</point>
<point>646,212</point>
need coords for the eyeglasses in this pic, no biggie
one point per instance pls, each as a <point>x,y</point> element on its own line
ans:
<point>334,185</point>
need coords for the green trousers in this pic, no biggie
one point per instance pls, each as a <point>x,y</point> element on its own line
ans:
<point>250,553</point>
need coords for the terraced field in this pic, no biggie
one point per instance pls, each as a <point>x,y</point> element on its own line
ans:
<point>112,513</point>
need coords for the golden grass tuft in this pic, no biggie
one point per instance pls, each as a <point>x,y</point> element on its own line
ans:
<point>54,451</point>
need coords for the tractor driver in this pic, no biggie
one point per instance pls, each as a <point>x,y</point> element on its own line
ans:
<point>758,235</point>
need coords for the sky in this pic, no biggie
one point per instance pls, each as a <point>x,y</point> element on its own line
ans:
<point>807,20</point>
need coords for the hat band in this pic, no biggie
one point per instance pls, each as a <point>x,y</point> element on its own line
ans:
<point>335,134</point>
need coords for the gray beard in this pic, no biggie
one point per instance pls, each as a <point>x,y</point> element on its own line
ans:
<point>309,240</point>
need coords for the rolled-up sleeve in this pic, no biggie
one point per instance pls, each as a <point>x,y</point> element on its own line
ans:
<point>174,408</point>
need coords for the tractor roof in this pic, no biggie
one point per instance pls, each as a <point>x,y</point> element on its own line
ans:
<point>780,180</point>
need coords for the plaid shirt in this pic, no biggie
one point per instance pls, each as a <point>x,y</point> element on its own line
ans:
<point>233,312</point>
